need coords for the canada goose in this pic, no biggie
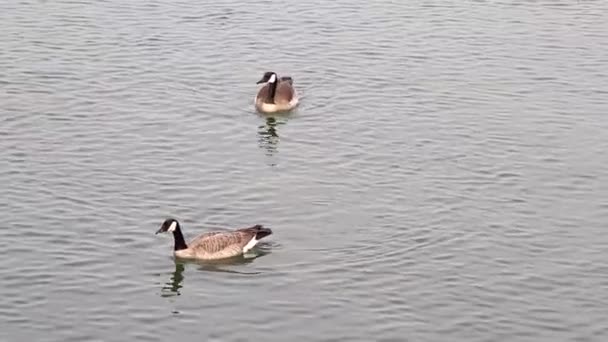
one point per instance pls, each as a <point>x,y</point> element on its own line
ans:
<point>277,94</point>
<point>214,245</point>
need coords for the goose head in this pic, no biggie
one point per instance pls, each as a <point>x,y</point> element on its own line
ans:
<point>269,77</point>
<point>170,225</point>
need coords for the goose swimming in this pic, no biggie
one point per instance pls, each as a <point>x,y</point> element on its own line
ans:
<point>277,94</point>
<point>214,245</point>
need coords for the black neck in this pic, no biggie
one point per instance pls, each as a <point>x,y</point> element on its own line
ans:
<point>271,91</point>
<point>180,243</point>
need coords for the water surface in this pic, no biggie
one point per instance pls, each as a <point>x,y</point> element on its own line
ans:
<point>444,178</point>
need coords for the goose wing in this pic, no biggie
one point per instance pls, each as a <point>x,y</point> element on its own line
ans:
<point>222,244</point>
<point>285,92</point>
<point>263,92</point>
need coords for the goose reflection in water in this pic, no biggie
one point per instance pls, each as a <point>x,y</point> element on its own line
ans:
<point>268,134</point>
<point>175,283</point>
<point>172,287</point>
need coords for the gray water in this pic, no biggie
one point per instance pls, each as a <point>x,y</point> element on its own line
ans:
<point>445,177</point>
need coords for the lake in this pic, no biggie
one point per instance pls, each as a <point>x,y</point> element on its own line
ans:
<point>444,178</point>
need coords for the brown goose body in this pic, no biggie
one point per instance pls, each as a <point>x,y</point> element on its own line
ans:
<point>276,95</point>
<point>214,245</point>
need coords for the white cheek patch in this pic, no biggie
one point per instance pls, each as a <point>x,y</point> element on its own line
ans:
<point>172,227</point>
<point>272,78</point>
<point>250,245</point>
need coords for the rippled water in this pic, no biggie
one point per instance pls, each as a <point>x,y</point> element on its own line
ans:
<point>445,177</point>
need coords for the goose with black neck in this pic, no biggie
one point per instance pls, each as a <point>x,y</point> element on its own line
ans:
<point>277,94</point>
<point>214,245</point>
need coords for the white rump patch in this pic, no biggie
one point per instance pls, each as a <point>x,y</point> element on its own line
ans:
<point>272,78</point>
<point>250,244</point>
<point>172,227</point>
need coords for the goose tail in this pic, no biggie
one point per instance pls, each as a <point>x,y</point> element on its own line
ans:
<point>288,79</point>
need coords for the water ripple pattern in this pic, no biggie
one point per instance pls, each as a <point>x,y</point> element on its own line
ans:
<point>445,177</point>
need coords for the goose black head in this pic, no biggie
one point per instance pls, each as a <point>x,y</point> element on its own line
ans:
<point>269,76</point>
<point>170,225</point>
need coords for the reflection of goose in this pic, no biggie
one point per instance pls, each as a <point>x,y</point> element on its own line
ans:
<point>221,265</point>
<point>214,245</point>
<point>174,285</point>
<point>276,95</point>
<point>172,288</point>
<point>269,138</point>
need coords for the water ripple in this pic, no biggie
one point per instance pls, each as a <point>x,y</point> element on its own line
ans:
<point>443,175</point>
